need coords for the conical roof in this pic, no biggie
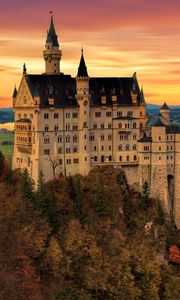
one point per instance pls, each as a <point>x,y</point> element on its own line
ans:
<point>142,99</point>
<point>51,36</point>
<point>82,70</point>
<point>165,107</point>
<point>15,92</point>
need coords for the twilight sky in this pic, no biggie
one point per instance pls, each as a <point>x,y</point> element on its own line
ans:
<point>119,37</point>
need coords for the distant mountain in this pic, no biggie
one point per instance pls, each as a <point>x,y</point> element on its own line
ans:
<point>153,109</point>
<point>6,115</point>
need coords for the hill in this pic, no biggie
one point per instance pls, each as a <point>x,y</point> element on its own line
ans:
<point>174,111</point>
<point>6,115</point>
<point>83,238</point>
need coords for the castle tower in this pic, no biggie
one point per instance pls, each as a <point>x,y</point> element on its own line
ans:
<point>52,54</point>
<point>143,114</point>
<point>14,95</point>
<point>164,111</point>
<point>82,96</point>
<point>159,183</point>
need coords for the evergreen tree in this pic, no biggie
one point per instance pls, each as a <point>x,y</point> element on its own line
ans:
<point>145,196</point>
<point>101,205</point>
<point>27,186</point>
<point>40,182</point>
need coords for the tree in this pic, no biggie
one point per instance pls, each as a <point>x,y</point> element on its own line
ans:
<point>27,186</point>
<point>40,182</point>
<point>101,204</point>
<point>1,163</point>
<point>55,161</point>
<point>145,196</point>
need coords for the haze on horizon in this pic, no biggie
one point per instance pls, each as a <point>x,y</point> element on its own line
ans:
<point>119,38</point>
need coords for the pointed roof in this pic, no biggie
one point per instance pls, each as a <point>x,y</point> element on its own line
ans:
<point>15,92</point>
<point>142,98</point>
<point>82,70</point>
<point>165,107</point>
<point>51,35</point>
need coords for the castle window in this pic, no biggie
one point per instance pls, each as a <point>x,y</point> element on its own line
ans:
<point>85,125</point>
<point>167,157</point>
<point>94,126</point>
<point>109,137</point>
<point>92,137</point>
<point>68,139</point>
<point>159,138</point>
<point>102,158</point>
<point>167,147</point>
<point>102,137</point>
<point>159,148</point>
<point>56,128</point>
<point>75,160</point>
<point>129,113</point>
<point>75,150</point>
<point>97,114</point>
<point>56,115</point>
<point>31,116</point>
<point>46,116</point>
<point>95,158</point>
<point>94,148</point>
<point>120,148</point>
<point>167,137</point>
<point>102,126</point>
<point>135,157</point>
<point>119,113</point>
<point>108,114</point>
<point>109,126</point>
<point>75,115</point>
<point>68,161</point>
<point>46,140</point>
<point>67,126</point>
<point>134,137</point>
<point>67,115</point>
<point>171,147</point>
<point>134,125</point>
<point>171,137</point>
<point>102,148</point>
<point>126,126</point>
<point>68,150</point>
<point>60,150</point>
<point>46,151</point>
<point>127,157</point>
<point>60,139</point>
<point>134,147</point>
<point>46,128</point>
<point>127,147</point>
<point>159,157</point>
<point>85,136</point>
<point>85,147</point>
<point>110,158</point>
<point>85,158</point>
<point>120,158</point>
<point>120,125</point>
<point>75,138</point>
<point>109,147</point>
<point>60,161</point>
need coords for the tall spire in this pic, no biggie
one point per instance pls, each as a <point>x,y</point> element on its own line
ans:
<point>51,35</point>
<point>52,54</point>
<point>82,70</point>
<point>15,92</point>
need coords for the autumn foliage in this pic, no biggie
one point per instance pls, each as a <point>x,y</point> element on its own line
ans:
<point>81,238</point>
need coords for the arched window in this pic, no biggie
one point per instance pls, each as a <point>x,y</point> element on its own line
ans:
<point>92,137</point>
<point>110,158</point>
<point>95,158</point>
<point>120,158</point>
<point>46,116</point>
<point>75,138</point>
<point>68,139</point>
<point>60,150</point>
<point>56,128</point>
<point>135,157</point>
<point>120,125</point>
<point>60,139</point>
<point>46,128</point>
<point>134,125</point>
<point>127,147</point>
<point>56,115</point>
<point>120,148</point>
<point>134,147</point>
<point>102,158</point>
<point>46,139</point>
<point>127,157</point>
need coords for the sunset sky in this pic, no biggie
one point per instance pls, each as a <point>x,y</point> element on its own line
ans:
<point>119,37</point>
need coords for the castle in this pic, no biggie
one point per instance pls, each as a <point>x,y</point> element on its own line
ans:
<point>71,125</point>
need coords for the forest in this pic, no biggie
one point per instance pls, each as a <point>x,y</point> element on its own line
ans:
<point>84,238</point>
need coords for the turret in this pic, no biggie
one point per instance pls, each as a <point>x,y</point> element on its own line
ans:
<point>52,54</point>
<point>164,111</point>
<point>14,95</point>
<point>82,79</point>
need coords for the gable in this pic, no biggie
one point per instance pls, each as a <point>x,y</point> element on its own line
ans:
<point>24,97</point>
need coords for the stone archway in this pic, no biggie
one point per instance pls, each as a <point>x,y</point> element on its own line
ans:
<point>170,179</point>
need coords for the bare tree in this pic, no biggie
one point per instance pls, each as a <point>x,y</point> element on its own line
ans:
<point>55,161</point>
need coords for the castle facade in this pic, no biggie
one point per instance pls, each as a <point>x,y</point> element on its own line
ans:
<point>66,125</point>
